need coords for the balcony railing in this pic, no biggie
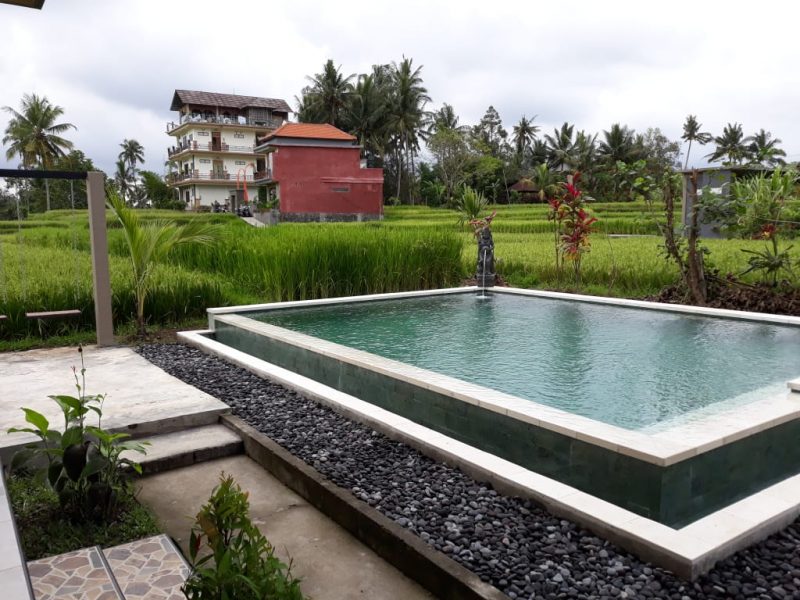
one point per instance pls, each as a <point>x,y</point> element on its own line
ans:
<point>225,120</point>
<point>264,175</point>
<point>196,175</point>
<point>209,147</point>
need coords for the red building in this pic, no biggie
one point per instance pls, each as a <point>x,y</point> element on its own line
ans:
<point>316,173</point>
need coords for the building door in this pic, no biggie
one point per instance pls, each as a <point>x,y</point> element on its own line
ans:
<point>216,141</point>
<point>217,170</point>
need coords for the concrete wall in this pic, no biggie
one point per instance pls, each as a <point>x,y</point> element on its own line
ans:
<point>326,180</point>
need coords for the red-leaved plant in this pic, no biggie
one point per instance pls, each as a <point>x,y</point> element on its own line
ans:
<point>577,226</point>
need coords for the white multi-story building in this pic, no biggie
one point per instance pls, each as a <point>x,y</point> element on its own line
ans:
<point>215,137</point>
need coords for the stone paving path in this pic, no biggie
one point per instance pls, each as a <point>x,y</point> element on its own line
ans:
<point>151,568</point>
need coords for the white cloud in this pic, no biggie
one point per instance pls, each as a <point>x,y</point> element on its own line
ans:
<point>113,66</point>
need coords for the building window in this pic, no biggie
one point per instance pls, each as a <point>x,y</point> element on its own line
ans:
<point>340,189</point>
<point>238,136</point>
<point>240,163</point>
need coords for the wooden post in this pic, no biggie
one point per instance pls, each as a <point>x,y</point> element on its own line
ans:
<point>101,279</point>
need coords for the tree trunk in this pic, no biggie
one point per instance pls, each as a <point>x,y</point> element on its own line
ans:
<point>688,152</point>
<point>696,275</point>
<point>47,193</point>
<point>140,296</point>
<point>399,169</point>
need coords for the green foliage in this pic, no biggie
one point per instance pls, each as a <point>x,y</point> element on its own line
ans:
<point>81,463</point>
<point>240,562</point>
<point>471,205</point>
<point>758,202</point>
<point>45,531</point>
<point>151,243</point>
<point>158,193</point>
<point>770,263</point>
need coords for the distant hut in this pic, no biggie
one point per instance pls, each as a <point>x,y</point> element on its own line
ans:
<point>527,190</point>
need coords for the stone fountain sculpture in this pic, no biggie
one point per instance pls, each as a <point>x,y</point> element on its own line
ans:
<point>485,275</point>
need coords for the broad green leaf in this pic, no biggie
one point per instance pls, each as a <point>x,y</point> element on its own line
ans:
<point>94,465</point>
<point>73,435</point>
<point>36,419</point>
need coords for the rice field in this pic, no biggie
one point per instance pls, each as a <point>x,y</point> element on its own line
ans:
<point>45,262</point>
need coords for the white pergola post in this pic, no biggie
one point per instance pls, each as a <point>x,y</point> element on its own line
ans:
<point>101,278</point>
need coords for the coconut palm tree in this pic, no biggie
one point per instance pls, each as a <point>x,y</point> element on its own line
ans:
<point>763,149</point>
<point>366,115</point>
<point>132,153</point>
<point>618,145</point>
<point>122,178</point>
<point>406,113</point>
<point>546,181</point>
<point>34,135</point>
<point>539,152</point>
<point>325,99</point>
<point>731,145</point>
<point>561,146</point>
<point>584,153</point>
<point>151,243</point>
<point>444,118</point>
<point>692,133</point>
<point>524,134</point>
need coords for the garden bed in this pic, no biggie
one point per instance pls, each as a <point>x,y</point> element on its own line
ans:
<point>45,532</point>
<point>752,298</point>
<point>509,542</point>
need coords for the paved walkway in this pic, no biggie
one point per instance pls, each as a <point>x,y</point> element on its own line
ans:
<point>331,563</point>
<point>137,392</point>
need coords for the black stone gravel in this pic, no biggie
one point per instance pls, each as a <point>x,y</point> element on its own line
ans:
<point>512,543</point>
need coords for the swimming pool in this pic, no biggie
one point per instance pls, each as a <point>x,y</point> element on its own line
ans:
<point>624,366</point>
<point>670,412</point>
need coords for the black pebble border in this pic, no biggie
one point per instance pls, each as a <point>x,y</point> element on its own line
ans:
<point>511,543</point>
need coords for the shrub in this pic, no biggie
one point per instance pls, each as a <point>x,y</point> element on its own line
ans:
<point>241,563</point>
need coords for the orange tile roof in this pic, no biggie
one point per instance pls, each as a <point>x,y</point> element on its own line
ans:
<point>313,131</point>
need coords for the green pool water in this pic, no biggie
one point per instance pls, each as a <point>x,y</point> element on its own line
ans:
<point>634,368</point>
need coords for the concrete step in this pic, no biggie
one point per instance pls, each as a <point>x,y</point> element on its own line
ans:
<point>148,569</point>
<point>183,448</point>
<point>80,574</point>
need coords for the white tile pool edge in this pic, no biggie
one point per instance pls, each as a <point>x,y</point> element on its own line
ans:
<point>689,551</point>
<point>663,448</point>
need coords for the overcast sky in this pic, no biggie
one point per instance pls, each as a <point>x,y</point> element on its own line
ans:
<point>114,65</point>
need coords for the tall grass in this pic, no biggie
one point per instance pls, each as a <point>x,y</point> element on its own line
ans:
<point>49,268</point>
<point>297,262</point>
<point>46,279</point>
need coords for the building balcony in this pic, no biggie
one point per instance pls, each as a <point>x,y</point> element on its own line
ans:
<point>195,146</point>
<point>196,176</point>
<point>232,121</point>
<point>262,176</point>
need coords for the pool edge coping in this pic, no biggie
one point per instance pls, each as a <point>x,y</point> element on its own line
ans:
<point>689,551</point>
